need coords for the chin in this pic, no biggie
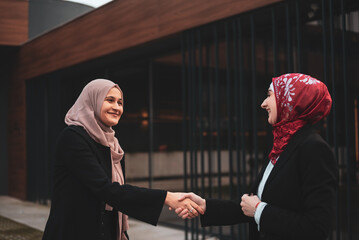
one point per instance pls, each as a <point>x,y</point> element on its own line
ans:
<point>113,124</point>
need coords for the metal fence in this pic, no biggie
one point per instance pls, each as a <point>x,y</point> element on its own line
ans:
<point>227,67</point>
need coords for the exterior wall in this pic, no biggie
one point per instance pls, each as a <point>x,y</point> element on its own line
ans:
<point>3,133</point>
<point>13,22</point>
<point>115,27</point>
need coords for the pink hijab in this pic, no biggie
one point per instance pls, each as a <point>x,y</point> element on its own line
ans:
<point>86,113</point>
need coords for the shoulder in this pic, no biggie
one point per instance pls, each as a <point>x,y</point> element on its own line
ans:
<point>73,135</point>
<point>313,141</point>
<point>315,151</point>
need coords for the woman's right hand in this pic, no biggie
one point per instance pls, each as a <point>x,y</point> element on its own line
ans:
<point>184,213</point>
<point>180,201</point>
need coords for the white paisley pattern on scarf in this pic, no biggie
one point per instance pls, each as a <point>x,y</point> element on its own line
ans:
<point>286,84</point>
<point>309,80</point>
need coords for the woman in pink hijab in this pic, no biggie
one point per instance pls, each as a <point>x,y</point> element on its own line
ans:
<point>295,193</point>
<point>90,198</point>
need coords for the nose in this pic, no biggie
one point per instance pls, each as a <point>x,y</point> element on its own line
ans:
<point>264,104</point>
<point>116,106</point>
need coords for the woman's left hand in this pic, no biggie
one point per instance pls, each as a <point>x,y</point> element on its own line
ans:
<point>176,201</point>
<point>249,204</point>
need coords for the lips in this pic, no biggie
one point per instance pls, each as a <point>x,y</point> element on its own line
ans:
<point>114,114</point>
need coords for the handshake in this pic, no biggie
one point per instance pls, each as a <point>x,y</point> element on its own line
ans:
<point>186,205</point>
<point>190,205</point>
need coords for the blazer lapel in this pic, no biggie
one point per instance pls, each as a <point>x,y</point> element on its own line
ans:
<point>285,156</point>
<point>254,188</point>
<point>102,152</point>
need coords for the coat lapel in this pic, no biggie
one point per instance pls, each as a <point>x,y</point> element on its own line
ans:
<point>285,156</point>
<point>102,152</point>
<point>259,178</point>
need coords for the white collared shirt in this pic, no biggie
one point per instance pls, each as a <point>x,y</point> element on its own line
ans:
<point>262,205</point>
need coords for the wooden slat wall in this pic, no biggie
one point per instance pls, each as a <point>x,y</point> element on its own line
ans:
<point>116,26</point>
<point>120,25</point>
<point>13,22</point>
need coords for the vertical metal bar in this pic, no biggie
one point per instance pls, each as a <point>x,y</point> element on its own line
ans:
<point>236,103</point>
<point>236,114</point>
<point>189,96</point>
<point>184,137</point>
<point>331,33</point>
<point>241,108</point>
<point>243,186</point>
<point>346,113</point>
<point>44,189</point>
<point>254,95</point>
<point>325,57</point>
<point>324,43</point>
<point>210,130</point>
<point>299,36</point>
<point>150,116</point>
<point>194,126</point>
<point>191,79</point>
<point>200,109</point>
<point>289,39</point>
<point>190,117</point>
<point>229,115</point>
<point>332,48</point>
<point>194,109</point>
<point>274,40</point>
<point>218,124</point>
<point>229,110</point>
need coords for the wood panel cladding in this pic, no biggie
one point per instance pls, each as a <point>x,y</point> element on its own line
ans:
<point>13,22</point>
<point>121,25</point>
<point>112,28</point>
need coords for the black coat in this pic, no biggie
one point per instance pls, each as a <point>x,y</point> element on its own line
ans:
<point>300,193</point>
<point>83,186</point>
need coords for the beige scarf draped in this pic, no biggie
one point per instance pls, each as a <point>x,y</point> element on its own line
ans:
<point>86,113</point>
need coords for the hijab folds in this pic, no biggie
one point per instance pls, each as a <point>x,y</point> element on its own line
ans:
<point>86,113</point>
<point>300,100</point>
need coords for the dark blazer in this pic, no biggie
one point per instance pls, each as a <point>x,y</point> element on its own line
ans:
<point>83,186</point>
<point>300,193</point>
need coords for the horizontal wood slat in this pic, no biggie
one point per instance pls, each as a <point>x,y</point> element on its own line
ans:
<point>121,25</point>
<point>13,22</point>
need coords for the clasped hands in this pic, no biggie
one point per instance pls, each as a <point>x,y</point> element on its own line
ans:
<point>190,205</point>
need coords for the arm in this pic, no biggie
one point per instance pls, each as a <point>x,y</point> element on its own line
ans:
<point>179,202</point>
<point>318,177</point>
<point>216,212</point>
<point>223,212</point>
<point>75,154</point>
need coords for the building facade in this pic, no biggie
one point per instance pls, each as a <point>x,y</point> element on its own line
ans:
<point>194,74</point>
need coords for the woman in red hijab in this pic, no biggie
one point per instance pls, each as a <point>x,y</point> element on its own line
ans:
<point>294,195</point>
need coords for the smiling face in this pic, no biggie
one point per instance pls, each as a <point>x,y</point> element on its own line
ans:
<point>112,107</point>
<point>270,105</point>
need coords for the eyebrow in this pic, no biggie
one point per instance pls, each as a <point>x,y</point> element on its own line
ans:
<point>113,97</point>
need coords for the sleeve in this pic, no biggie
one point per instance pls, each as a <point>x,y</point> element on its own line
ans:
<point>258,213</point>
<point>222,212</point>
<point>141,203</point>
<point>318,175</point>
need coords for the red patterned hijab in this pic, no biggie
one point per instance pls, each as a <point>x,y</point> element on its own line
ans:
<point>300,100</point>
